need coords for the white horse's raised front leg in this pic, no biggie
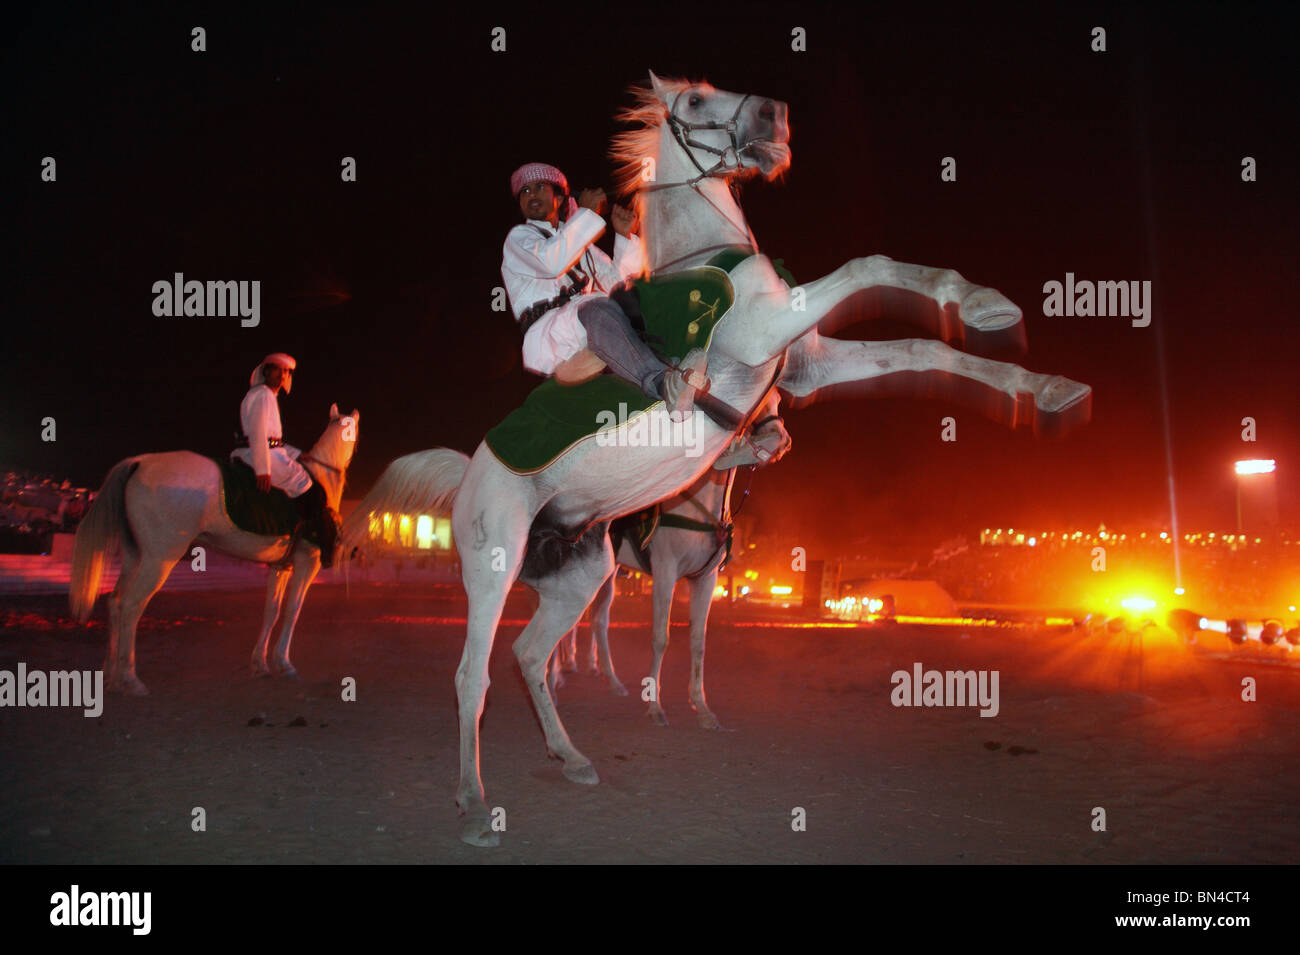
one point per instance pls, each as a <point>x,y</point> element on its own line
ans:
<point>921,368</point>
<point>774,315</point>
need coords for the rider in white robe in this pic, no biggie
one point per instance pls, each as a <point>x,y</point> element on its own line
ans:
<point>276,463</point>
<point>558,282</point>
<point>259,416</point>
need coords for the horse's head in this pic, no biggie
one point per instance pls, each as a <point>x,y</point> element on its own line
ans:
<point>339,441</point>
<point>726,134</point>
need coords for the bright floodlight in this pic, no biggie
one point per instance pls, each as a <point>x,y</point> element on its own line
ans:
<point>1137,603</point>
<point>1259,466</point>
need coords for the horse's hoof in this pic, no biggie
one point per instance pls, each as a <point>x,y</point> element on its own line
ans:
<point>477,831</point>
<point>584,774</point>
<point>129,686</point>
<point>287,672</point>
<point>708,721</point>
<point>988,310</point>
<point>258,670</point>
<point>618,689</point>
<point>1062,406</point>
<point>657,716</point>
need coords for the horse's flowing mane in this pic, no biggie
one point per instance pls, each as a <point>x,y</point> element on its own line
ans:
<point>630,148</point>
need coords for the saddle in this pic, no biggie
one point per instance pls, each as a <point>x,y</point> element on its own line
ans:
<point>270,514</point>
<point>673,313</point>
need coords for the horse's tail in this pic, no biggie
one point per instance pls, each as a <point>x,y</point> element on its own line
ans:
<point>98,535</point>
<point>421,483</point>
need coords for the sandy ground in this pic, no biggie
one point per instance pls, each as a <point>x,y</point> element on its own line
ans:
<point>1186,771</point>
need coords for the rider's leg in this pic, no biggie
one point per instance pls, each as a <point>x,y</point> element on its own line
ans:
<point>321,528</point>
<point>610,336</point>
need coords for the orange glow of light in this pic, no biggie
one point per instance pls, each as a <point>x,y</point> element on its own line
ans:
<point>1257,466</point>
<point>781,591</point>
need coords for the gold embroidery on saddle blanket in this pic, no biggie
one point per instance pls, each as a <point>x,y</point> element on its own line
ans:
<point>680,313</point>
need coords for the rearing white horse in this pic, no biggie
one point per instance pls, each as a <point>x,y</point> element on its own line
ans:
<point>548,527</point>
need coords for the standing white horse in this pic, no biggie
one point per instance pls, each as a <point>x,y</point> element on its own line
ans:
<point>692,542</point>
<point>155,506</point>
<point>548,527</point>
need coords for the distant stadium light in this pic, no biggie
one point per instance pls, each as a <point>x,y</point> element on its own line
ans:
<point>1180,590</point>
<point>1257,466</point>
<point>778,591</point>
<point>1137,603</point>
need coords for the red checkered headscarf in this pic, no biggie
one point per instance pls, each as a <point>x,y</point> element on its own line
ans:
<point>536,172</point>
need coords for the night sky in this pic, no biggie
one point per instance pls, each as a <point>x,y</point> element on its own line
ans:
<point>1123,165</point>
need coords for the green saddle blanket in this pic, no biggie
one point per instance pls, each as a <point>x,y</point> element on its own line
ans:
<point>680,311</point>
<point>271,515</point>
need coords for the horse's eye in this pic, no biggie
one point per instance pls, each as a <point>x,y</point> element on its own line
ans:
<point>696,99</point>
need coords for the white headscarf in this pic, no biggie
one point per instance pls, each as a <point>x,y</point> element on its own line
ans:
<point>275,358</point>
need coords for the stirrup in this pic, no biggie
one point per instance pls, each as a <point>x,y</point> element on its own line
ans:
<point>741,453</point>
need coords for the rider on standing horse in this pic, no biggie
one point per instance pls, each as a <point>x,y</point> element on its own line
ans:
<point>274,462</point>
<point>558,282</point>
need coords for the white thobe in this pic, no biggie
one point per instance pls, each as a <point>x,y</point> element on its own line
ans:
<point>535,267</point>
<point>259,416</point>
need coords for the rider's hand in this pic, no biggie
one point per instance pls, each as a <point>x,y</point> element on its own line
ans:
<point>624,219</point>
<point>264,483</point>
<point>593,199</point>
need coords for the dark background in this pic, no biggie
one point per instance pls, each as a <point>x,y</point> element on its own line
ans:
<point>1123,165</point>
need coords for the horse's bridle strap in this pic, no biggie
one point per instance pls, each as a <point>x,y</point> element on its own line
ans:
<point>681,130</point>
